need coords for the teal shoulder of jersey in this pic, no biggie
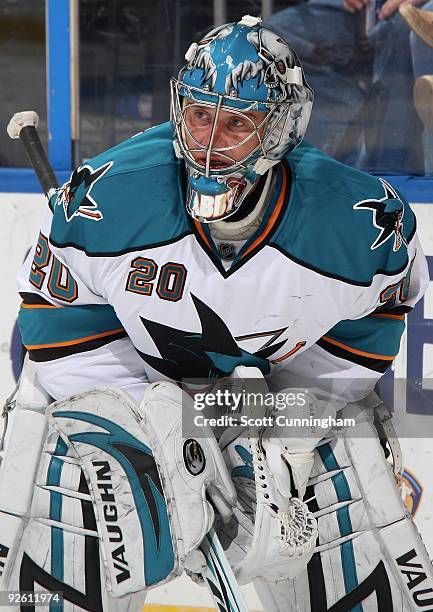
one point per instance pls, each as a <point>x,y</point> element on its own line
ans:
<point>342,222</point>
<point>127,198</point>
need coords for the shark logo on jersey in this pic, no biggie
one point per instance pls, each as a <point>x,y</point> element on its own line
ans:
<point>75,196</point>
<point>213,353</point>
<point>387,216</point>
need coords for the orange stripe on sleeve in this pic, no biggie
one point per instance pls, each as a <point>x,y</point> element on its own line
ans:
<point>388,316</point>
<point>357,351</point>
<point>33,347</point>
<point>23,305</point>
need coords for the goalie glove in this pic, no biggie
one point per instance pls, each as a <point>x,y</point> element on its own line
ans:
<point>291,440</point>
<point>284,531</point>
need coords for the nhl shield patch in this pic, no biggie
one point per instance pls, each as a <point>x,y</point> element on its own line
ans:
<point>227,251</point>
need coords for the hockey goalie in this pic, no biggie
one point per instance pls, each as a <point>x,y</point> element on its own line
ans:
<point>210,247</point>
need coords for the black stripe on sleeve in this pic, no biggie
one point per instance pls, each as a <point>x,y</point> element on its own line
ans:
<point>34,299</point>
<point>378,365</point>
<point>398,310</point>
<point>57,352</point>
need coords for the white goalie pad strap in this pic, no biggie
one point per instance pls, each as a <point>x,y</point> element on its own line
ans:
<point>30,393</point>
<point>26,437</point>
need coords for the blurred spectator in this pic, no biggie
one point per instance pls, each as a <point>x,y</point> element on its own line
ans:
<point>421,42</point>
<point>364,113</point>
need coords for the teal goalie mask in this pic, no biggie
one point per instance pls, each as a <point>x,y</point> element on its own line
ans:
<point>243,78</point>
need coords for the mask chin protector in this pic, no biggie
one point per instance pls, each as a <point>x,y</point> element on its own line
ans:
<point>209,200</point>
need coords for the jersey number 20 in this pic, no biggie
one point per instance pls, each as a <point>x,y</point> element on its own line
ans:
<point>61,284</point>
<point>170,283</point>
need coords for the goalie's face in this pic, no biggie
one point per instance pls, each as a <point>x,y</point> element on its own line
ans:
<point>219,139</point>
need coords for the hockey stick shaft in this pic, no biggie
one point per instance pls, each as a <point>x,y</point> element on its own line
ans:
<point>32,144</point>
<point>219,577</point>
<point>24,126</point>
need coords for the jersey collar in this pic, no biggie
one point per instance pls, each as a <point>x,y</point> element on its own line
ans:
<point>270,222</point>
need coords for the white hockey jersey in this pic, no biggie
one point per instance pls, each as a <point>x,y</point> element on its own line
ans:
<point>123,287</point>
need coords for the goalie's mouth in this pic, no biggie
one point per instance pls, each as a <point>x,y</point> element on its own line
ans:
<point>215,164</point>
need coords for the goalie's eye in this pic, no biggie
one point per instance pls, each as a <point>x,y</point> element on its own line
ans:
<point>199,117</point>
<point>237,123</point>
<point>281,67</point>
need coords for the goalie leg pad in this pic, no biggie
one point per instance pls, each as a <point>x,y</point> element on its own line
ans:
<point>48,534</point>
<point>369,553</point>
<point>101,429</point>
<point>26,436</point>
<point>145,481</point>
<point>103,526</point>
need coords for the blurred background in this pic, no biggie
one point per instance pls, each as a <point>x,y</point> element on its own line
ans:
<point>107,64</point>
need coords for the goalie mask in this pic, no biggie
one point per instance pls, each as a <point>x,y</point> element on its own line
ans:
<point>237,108</point>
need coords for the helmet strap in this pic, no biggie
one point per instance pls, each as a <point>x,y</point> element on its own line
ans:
<point>262,165</point>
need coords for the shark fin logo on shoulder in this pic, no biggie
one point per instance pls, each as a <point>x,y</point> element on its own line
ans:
<point>387,216</point>
<point>75,196</point>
